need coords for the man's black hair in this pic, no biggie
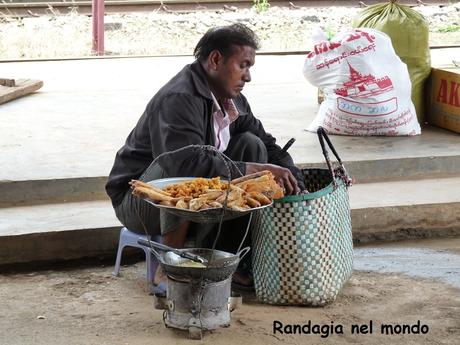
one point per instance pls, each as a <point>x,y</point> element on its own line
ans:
<point>223,38</point>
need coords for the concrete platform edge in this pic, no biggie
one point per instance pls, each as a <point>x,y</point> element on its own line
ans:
<point>59,246</point>
<point>403,222</point>
<point>369,225</point>
<point>17,193</point>
<point>401,168</point>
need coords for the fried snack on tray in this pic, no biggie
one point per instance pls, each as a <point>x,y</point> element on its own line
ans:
<point>262,182</point>
<point>245,193</point>
<point>150,193</point>
<point>195,187</point>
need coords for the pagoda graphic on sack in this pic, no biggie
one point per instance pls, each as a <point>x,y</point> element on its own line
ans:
<point>364,85</point>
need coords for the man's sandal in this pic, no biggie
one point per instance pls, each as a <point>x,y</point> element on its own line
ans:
<point>158,290</point>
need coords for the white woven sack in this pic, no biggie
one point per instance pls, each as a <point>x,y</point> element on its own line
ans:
<point>366,86</point>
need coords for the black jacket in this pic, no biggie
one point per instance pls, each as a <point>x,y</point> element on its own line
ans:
<point>180,114</point>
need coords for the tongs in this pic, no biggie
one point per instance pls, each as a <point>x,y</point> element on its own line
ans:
<point>185,255</point>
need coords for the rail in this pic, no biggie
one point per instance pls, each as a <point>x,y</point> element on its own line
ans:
<point>56,7</point>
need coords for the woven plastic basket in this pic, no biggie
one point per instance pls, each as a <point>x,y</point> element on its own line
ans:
<point>302,246</point>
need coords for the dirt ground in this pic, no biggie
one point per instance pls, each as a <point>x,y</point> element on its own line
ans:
<point>90,306</point>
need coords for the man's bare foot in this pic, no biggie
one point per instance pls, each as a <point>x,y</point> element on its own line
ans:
<point>160,276</point>
<point>175,238</point>
<point>242,281</point>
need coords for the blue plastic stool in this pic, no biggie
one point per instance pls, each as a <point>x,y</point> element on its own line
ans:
<point>129,239</point>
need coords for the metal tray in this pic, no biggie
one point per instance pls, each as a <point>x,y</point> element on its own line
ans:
<point>210,215</point>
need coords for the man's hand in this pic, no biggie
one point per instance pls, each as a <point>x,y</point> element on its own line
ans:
<point>283,176</point>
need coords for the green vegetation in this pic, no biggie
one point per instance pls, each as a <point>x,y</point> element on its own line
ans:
<point>330,33</point>
<point>261,5</point>
<point>450,28</point>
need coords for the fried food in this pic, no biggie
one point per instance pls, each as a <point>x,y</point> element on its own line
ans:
<point>197,203</point>
<point>261,179</point>
<point>150,193</point>
<point>212,194</point>
<point>250,176</point>
<point>168,203</point>
<point>195,187</point>
<point>244,193</point>
<point>260,198</point>
<point>137,183</point>
<point>253,202</point>
<point>215,204</point>
<point>182,204</point>
<point>265,185</point>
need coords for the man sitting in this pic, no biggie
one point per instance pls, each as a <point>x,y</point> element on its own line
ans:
<point>201,105</point>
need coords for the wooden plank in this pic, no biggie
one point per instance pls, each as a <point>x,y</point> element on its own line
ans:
<point>23,87</point>
<point>7,82</point>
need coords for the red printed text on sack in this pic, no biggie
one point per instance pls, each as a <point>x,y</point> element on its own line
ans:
<point>345,55</point>
<point>368,126</point>
<point>449,95</point>
<point>324,47</point>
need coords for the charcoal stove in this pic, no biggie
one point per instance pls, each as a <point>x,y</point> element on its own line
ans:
<point>199,298</point>
<point>196,307</point>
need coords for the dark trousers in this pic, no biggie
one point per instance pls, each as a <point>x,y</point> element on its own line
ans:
<point>141,217</point>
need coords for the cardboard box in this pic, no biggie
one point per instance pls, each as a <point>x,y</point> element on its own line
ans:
<point>443,108</point>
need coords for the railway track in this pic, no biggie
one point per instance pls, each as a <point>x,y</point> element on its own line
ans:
<point>54,7</point>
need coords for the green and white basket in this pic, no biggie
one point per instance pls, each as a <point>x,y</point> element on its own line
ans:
<point>302,246</point>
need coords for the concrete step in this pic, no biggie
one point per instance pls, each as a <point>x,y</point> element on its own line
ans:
<point>52,191</point>
<point>380,211</point>
<point>57,190</point>
<point>381,170</point>
<point>55,232</point>
<point>410,208</point>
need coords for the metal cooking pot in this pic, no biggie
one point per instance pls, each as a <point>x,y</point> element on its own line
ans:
<point>220,265</point>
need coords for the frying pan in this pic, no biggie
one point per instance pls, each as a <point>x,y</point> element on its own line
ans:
<point>218,266</point>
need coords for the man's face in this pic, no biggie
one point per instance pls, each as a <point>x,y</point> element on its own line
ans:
<point>233,72</point>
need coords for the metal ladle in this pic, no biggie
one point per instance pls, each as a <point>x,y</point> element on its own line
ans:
<point>182,254</point>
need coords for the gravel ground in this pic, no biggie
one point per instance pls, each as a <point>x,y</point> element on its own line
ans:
<point>280,29</point>
<point>88,306</point>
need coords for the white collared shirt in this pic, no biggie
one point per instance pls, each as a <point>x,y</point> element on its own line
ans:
<point>222,118</point>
